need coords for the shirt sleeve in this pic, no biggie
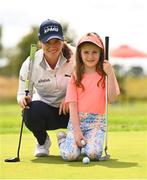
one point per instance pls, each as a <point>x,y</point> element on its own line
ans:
<point>71,93</point>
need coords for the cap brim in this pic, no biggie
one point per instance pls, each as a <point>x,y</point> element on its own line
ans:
<point>99,45</point>
<point>46,39</point>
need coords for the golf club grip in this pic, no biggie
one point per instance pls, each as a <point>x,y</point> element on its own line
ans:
<point>32,58</point>
<point>107,47</point>
<point>32,51</point>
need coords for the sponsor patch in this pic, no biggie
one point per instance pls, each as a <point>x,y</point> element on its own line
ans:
<point>43,80</point>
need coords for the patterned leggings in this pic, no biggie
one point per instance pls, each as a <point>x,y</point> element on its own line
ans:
<point>93,129</point>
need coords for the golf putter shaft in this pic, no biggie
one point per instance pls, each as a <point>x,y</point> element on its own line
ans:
<point>107,58</point>
<point>27,88</point>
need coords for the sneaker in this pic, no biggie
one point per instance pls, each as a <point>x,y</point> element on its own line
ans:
<point>61,137</point>
<point>43,150</point>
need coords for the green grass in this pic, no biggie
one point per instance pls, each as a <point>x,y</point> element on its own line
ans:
<point>10,118</point>
<point>123,117</point>
<point>128,159</point>
<point>127,140</point>
<point>127,117</point>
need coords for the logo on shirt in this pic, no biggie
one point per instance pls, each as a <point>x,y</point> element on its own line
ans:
<point>67,75</point>
<point>43,80</point>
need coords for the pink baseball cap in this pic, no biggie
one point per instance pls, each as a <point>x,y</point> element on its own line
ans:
<point>92,38</point>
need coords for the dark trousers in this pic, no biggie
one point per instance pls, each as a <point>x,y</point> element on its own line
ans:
<point>41,117</point>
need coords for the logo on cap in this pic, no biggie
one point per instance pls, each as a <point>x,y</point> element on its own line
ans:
<point>50,29</point>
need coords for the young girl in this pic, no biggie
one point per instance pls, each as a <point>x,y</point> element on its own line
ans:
<point>86,98</point>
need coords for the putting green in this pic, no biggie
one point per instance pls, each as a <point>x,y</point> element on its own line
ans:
<point>128,159</point>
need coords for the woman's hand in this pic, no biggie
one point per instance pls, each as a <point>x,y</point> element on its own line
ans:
<point>64,107</point>
<point>25,101</point>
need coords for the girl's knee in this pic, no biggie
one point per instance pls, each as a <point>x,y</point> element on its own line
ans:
<point>70,156</point>
<point>94,153</point>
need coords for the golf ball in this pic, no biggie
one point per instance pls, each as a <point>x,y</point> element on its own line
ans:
<point>83,142</point>
<point>86,160</point>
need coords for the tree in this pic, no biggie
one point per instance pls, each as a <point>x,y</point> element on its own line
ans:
<point>19,53</point>
<point>69,34</point>
<point>121,77</point>
<point>136,71</point>
<point>1,47</point>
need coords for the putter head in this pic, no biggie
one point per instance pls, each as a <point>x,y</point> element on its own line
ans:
<point>14,159</point>
<point>104,158</point>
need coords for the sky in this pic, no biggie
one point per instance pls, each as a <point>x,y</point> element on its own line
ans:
<point>124,21</point>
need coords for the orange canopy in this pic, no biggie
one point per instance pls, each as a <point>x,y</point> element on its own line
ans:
<point>125,51</point>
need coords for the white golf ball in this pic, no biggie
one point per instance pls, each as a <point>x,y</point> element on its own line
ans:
<point>86,160</point>
<point>83,142</point>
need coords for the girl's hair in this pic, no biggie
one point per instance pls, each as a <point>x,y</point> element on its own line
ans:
<point>79,68</point>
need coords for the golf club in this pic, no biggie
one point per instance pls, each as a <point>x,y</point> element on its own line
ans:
<point>27,90</point>
<point>107,156</point>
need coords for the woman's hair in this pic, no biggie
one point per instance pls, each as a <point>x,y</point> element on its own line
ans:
<point>79,68</point>
<point>67,53</point>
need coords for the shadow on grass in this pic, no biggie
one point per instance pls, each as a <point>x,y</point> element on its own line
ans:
<point>112,163</point>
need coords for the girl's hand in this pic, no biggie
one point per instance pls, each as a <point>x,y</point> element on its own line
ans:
<point>63,107</point>
<point>113,87</point>
<point>78,137</point>
<point>25,101</point>
<point>107,67</point>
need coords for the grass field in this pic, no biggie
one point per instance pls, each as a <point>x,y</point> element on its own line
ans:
<point>127,139</point>
<point>125,117</point>
<point>128,160</point>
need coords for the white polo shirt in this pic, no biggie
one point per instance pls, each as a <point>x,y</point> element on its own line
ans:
<point>49,85</point>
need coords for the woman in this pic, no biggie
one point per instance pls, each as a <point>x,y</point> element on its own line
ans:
<point>51,72</point>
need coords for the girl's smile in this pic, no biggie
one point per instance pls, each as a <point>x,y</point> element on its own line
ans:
<point>90,54</point>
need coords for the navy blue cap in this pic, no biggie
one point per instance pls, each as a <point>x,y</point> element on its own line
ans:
<point>50,29</point>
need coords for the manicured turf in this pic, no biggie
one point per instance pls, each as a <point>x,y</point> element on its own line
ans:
<point>122,117</point>
<point>128,159</point>
<point>127,141</point>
